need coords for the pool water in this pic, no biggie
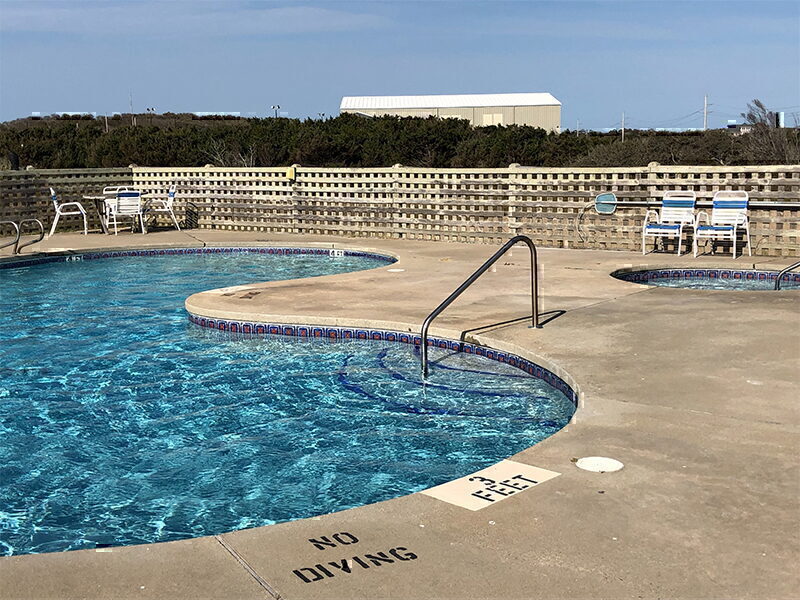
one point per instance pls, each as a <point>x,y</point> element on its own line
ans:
<point>122,423</point>
<point>712,279</point>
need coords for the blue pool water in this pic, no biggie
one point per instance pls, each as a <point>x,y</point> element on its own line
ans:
<point>121,423</point>
<point>712,279</point>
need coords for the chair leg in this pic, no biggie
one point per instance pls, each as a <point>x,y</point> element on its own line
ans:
<point>55,222</point>
<point>85,225</point>
<point>747,233</point>
<point>734,245</point>
<point>174,220</point>
<point>694,246</point>
<point>644,242</point>
<point>680,239</point>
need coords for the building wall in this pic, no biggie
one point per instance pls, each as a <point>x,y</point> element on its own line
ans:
<point>460,113</point>
<point>546,117</point>
<point>552,206</point>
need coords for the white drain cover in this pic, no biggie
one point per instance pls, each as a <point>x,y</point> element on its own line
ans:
<point>599,464</point>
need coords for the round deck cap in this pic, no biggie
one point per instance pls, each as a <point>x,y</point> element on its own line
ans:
<point>599,464</point>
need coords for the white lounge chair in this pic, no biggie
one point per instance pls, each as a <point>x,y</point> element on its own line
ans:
<point>164,205</point>
<point>677,212</point>
<point>128,203</point>
<point>60,211</point>
<point>728,218</point>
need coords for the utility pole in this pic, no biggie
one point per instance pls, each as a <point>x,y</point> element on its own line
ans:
<point>130,98</point>
<point>578,128</point>
<point>705,112</point>
<point>623,126</point>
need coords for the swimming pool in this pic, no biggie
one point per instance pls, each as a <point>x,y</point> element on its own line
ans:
<point>710,279</point>
<point>123,423</point>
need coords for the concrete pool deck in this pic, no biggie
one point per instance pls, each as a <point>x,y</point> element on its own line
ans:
<point>694,391</point>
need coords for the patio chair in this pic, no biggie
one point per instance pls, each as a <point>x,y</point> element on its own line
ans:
<point>128,203</point>
<point>61,211</point>
<point>164,205</point>
<point>677,212</point>
<point>110,193</point>
<point>728,218</point>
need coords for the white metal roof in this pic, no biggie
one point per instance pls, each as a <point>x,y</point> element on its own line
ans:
<point>447,101</point>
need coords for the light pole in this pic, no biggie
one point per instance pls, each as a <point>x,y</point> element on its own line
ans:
<point>276,108</point>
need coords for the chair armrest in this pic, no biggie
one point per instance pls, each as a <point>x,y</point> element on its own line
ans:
<point>78,204</point>
<point>647,216</point>
<point>699,217</point>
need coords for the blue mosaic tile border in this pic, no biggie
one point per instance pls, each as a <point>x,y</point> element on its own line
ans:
<point>276,250</point>
<point>403,337</point>
<point>744,275</point>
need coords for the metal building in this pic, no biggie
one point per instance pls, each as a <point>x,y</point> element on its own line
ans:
<point>538,110</point>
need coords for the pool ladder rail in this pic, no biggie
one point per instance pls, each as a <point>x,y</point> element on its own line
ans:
<point>18,227</point>
<point>784,272</point>
<point>471,279</point>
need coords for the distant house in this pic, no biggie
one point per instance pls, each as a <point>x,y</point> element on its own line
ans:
<point>739,129</point>
<point>534,109</point>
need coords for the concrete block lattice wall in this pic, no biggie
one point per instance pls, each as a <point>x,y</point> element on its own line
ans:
<point>26,194</point>
<point>552,206</point>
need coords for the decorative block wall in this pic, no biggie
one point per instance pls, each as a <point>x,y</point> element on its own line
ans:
<point>552,206</point>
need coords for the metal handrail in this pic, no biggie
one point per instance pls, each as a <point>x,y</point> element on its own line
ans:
<point>784,272</point>
<point>471,279</point>
<point>16,239</point>
<point>19,246</point>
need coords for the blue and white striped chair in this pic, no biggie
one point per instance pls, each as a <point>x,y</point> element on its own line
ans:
<point>677,212</point>
<point>61,211</point>
<point>160,205</point>
<point>728,218</point>
<point>128,203</point>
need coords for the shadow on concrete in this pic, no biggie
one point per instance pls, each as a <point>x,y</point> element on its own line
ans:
<point>544,319</point>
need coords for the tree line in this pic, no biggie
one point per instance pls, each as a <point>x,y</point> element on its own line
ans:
<point>172,140</point>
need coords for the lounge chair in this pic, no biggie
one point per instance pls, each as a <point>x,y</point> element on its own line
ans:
<point>728,217</point>
<point>164,205</point>
<point>677,212</point>
<point>60,211</point>
<point>128,203</point>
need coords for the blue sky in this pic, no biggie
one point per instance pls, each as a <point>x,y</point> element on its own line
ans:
<point>652,60</point>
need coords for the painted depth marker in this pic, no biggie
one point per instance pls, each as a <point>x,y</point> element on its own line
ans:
<point>491,485</point>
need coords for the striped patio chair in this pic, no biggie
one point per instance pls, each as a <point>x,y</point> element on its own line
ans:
<point>677,212</point>
<point>728,218</point>
<point>128,203</point>
<point>165,205</point>
<point>76,208</point>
